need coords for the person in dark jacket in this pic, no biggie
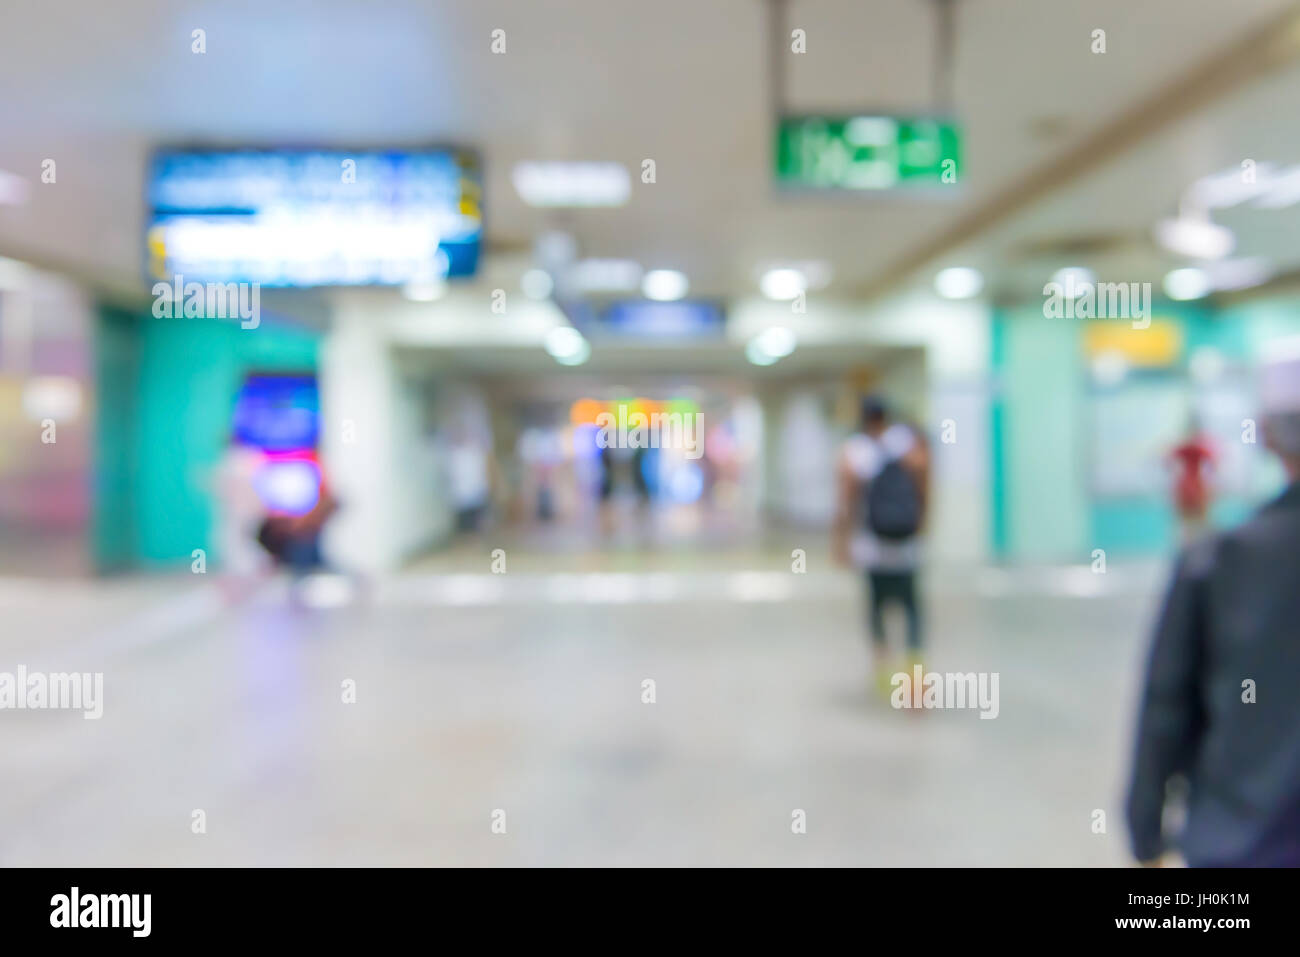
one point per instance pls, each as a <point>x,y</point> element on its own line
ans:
<point>1221,705</point>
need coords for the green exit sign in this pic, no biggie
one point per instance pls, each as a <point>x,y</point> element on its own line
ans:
<point>866,152</point>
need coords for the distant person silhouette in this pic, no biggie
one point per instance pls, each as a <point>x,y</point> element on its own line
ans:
<point>883,480</point>
<point>1192,460</point>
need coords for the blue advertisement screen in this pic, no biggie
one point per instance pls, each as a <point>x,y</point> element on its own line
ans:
<point>313,218</point>
<point>278,413</point>
<point>648,319</point>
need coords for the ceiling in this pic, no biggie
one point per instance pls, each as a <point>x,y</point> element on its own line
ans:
<point>97,85</point>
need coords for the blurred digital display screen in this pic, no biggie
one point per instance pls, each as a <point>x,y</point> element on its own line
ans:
<point>278,413</point>
<point>313,218</point>
<point>648,319</point>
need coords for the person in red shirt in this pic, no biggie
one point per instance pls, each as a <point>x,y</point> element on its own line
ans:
<point>1192,461</point>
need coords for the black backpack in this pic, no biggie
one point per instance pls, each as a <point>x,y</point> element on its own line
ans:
<point>893,503</point>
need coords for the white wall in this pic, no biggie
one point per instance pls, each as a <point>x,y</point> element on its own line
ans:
<point>375,451</point>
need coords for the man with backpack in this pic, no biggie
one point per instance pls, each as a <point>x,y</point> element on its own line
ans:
<point>883,483</point>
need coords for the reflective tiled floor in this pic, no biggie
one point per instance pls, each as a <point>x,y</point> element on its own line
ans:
<point>523,693</point>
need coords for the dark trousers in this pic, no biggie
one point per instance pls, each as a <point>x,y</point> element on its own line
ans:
<point>899,586</point>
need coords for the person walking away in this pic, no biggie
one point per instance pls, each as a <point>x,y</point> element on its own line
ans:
<point>470,482</point>
<point>883,485</point>
<point>1219,707</point>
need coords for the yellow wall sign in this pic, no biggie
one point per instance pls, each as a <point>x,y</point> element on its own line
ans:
<point>1159,344</point>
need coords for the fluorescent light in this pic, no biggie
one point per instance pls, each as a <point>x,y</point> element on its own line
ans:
<point>1189,283</point>
<point>564,341</point>
<point>664,285</point>
<point>1282,190</point>
<point>1195,238</point>
<point>1231,274</point>
<point>756,354</point>
<point>777,341</point>
<point>783,284</point>
<point>1227,189</point>
<point>1074,280</point>
<point>606,275</point>
<point>1272,187</point>
<point>536,284</point>
<point>424,291</point>
<point>572,184</point>
<point>958,282</point>
<point>577,357</point>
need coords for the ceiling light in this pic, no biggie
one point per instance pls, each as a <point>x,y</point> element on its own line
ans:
<point>564,341</point>
<point>958,282</point>
<point>536,284</point>
<point>664,285</point>
<point>777,341</point>
<point>577,357</point>
<point>1195,238</point>
<point>572,184</point>
<point>1074,280</point>
<point>606,275</point>
<point>783,284</point>
<point>755,353</point>
<point>1231,274</point>
<point>1189,283</point>
<point>1229,188</point>
<point>1281,190</point>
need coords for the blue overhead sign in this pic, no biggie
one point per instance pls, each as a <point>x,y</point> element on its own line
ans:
<point>313,218</point>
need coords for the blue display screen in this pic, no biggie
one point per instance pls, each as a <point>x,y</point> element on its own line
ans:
<point>313,218</point>
<point>647,319</point>
<point>278,413</point>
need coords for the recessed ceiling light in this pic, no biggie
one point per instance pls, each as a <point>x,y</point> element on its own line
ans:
<point>1231,274</point>
<point>577,357</point>
<point>755,353</point>
<point>1074,280</point>
<point>664,285</point>
<point>776,341</point>
<point>782,284</point>
<point>536,284</point>
<point>571,184</point>
<point>958,282</point>
<point>1189,283</point>
<point>564,341</point>
<point>1195,237</point>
